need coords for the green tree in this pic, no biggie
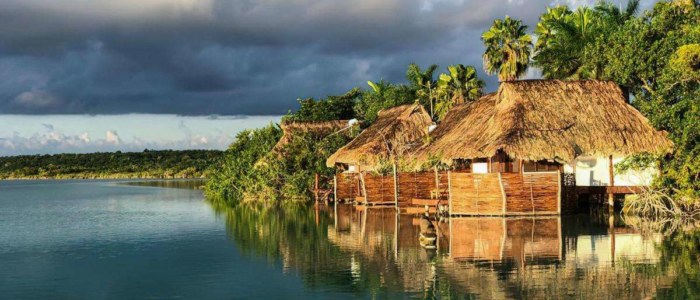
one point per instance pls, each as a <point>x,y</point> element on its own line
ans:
<point>653,57</point>
<point>508,48</point>
<point>424,83</point>
<point>382,95</point>
<point>460,85</point>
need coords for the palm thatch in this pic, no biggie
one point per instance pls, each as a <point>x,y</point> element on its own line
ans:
<point>395,131</point>
<point>545,120</point>
<point>319,128</point>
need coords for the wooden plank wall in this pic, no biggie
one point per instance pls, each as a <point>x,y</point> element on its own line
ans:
<point>415,185</point>
<point>475,194</point>
<point>380,188</point>
<point>531,192</point>
<point>348,186</point>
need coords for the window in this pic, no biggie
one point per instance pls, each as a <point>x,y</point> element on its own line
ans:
<point>540,166</point>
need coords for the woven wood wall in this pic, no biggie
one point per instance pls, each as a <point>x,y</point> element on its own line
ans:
<point>531,192</point>
<point>379,188</point>
<point>475,194</point>
<point>348,186</point>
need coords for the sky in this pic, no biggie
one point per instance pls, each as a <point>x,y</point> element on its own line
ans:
<point>74,63</point>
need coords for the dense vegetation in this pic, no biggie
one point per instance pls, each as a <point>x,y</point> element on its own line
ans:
<point>654,56</point>
<point>146,164</point>
<point>251,170</point>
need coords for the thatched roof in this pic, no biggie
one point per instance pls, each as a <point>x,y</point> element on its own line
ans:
<point>320,128</point>
<point>393,133</point>
<point>545,119</point>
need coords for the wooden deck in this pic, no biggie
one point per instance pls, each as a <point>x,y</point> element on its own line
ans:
<point>622,190</point>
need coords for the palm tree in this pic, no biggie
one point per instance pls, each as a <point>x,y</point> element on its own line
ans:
<point>564,38</point>
<point>460,85</point>
<point>507,49</point>
<point>614,14</point>
<point>380,87</point>
<point>423,79</point>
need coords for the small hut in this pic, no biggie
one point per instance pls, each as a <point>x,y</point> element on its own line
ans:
<point>396,130</point>
<point>510,148</point>
<point>318,128</point>
<point>388,139</point>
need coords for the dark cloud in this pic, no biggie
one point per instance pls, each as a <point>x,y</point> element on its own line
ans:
<point>225,57</point>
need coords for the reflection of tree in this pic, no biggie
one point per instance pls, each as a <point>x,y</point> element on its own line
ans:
<point>680,255</point>
<point>370,251</point>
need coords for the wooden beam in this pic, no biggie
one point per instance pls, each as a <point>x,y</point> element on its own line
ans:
<point>559,192</point>
<point>611,196</point>
<point>449,195</point>
<point>396,188</point>
<point>503,192</point>
<point>335,189</point>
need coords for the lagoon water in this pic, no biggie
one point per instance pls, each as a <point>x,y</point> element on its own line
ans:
<point>109,240</point>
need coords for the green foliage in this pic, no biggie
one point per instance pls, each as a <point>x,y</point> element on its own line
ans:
<point>460,85</point>
<point>330,108</point>
<point>424,84</point>
<point>385,95</point>
<point>235,174</point>
<point>654,56</point>
<point>146,164</point>
<point>508,48</point>
<point>251,171</point>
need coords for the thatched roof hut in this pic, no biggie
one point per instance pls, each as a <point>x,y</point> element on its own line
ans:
<point>396,130</point>
<point>545,120</point>
<point>319,128</point>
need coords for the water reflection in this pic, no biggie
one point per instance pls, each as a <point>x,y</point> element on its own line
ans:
<point>377,252</point>
<point>172,183</point>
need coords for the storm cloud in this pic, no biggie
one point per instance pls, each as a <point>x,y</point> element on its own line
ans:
<point>252,57</point>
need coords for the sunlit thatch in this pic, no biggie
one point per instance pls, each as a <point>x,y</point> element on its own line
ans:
<point>395,131</point>
<point>545,119</point>
<point>320,128</point>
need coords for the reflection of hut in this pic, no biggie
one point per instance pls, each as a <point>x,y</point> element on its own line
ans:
<point>500,239</point>
<point>396,130</point>
<point>510,147</point>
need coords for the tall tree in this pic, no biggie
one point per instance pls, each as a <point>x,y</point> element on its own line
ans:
<point>566,35</point>
<point>424,83</point>
<point>508,48</point>
<point>614,14</point>
<point>460,85</point>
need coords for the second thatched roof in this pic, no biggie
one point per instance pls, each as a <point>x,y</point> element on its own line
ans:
<point>319,128</point>
<point>545,120</point>
<point>396,130</point>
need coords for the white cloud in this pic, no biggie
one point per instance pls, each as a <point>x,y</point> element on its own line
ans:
<point>112,137</point>
<point>36,99</point>
<point>50,134</point>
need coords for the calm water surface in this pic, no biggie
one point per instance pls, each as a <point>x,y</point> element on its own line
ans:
<point>99,239</point>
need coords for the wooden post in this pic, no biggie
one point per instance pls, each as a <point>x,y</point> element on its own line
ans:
<point>611,197</point>
<point>335,189</point>
<point>316,186</point>
<point>503,192</point>
<point>364,189</point>
<point>396,188</point>
<point>449,198</point>
<point>559,192</point>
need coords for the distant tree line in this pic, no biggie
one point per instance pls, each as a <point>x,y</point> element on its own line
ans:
<point>146,164</point>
